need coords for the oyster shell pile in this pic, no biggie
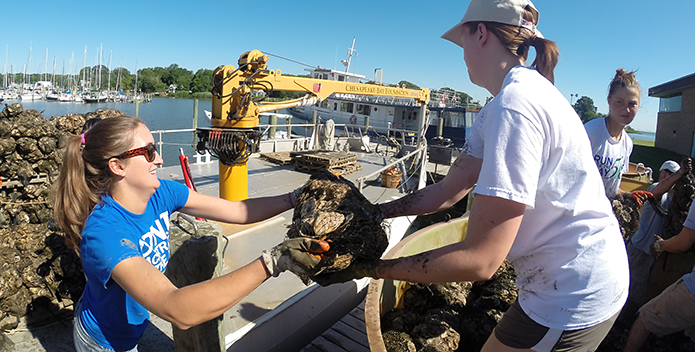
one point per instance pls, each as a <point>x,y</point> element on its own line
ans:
<point>455,316</point>
<point>331,208</point>
<point>40,277</point>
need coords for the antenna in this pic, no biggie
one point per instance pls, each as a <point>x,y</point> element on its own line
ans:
<point>350,52</point>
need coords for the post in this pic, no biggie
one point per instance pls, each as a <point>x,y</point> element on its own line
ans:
<point>195,120</point>
<point>273,121</point>
<point>137,105</point>
<point>366,121</point>
<point>288,122</point>
<point>440,127</point>
<point>313,119</point>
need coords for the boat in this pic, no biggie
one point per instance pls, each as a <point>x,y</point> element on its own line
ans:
<point>454,117</point>
<point>95,97</point>
<point>283,313</point>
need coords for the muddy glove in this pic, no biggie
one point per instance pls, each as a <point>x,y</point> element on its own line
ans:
<point>299,255</point>
<point>640,196</point>
<point>686,165</point>
<point>356,270</point>
<point>656,246</point>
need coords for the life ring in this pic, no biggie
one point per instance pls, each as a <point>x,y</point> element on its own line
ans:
<point>353,119</point>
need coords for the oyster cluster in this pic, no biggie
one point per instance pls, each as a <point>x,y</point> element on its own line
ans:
<point>331,208</point>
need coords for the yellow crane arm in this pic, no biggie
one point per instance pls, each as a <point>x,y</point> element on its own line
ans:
<point>233,107</point>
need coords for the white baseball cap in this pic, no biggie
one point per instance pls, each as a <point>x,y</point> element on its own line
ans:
<point>670,165</point>
<point>509,12</point>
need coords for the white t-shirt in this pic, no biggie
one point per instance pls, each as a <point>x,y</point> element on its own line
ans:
<point>569,256</point>
<point>612,157</point>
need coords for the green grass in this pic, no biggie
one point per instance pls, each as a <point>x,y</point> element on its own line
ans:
<point>646,153</point>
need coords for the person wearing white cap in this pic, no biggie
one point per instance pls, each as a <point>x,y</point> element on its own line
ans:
<point>610,144</point>
<point>650,224</point>
<point>540,201</point>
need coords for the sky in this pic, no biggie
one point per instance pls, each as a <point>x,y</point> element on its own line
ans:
<point>595,37</point>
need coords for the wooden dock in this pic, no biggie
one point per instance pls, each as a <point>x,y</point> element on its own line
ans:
<point>348,334</point>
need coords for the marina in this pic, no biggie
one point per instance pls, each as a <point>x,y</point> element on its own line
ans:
<point>296,314</point>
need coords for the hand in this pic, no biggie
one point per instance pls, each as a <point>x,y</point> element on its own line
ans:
<point>655,247</point>
<point>356,270</point>
<point>640,196</point>
<point>686,165</point>
<point>296,255</point>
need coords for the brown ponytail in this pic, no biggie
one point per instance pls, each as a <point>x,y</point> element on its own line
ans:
<point>85,175</point>
<point>519,40</point>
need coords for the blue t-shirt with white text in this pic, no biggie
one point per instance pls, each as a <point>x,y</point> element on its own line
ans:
<point>112,234</point>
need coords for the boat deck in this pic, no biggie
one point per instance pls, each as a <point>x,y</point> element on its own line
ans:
<point>275,302</point>
<point>348,334</point>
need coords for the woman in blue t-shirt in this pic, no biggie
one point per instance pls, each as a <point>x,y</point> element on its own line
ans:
<point>110,202</point>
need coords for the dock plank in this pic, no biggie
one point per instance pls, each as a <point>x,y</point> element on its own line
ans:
<point>359,336</point>
<point>322,344</point>
<point>356,323</point>
<point>345,342</point>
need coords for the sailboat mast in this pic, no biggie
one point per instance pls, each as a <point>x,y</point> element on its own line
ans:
<point>53,75</point>
<point>118,78</point>
<point>101,50</point>
<point>110,54</point>
<point>136,76</point>
<point>84,68</point>
<point>45,66</point>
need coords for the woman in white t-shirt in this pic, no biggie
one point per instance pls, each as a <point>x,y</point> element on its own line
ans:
<point>610,144</point>
<point>539,198</point>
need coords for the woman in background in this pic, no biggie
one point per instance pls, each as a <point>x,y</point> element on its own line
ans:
<point>610,144</point>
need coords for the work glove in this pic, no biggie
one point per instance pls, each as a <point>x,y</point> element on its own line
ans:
<point>357,270</point>
<point>655,247</point>
<point>299,255</point>
<point>686,165</point>
<point>640,196</point>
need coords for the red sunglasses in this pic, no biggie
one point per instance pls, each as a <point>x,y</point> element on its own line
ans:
<point>149,152</point>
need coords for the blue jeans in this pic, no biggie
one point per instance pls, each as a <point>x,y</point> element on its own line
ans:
<point>84,342</point>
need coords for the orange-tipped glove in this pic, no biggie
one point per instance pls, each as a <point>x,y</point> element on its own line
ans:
<point>640,196</point>
<point>298,255</point>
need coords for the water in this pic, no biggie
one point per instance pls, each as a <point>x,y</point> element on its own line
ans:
<point>644,136</point>
<point>160,114</point>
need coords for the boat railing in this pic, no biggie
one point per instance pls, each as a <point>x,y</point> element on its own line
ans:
<point>418,152</point>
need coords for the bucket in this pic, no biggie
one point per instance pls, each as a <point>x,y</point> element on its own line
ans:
<point>390,179</point>
<point>384,295</point>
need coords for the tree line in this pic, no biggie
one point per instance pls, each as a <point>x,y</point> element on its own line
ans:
<point>148,80</point>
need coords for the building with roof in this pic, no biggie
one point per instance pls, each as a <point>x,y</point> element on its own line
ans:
<point>675,124</point>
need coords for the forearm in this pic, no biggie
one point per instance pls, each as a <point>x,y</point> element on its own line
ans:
<point>448,264</point>
<point>427,200</point>
<point>198,303</point>
<point>258,209</point>
<point>666,184</point>
<point>676,244</point>
<point>492,227</point>
<point>459,181</point>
